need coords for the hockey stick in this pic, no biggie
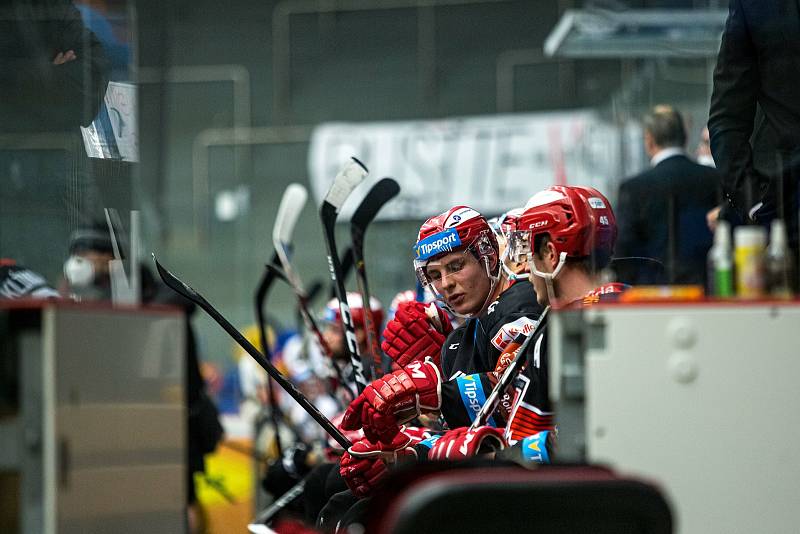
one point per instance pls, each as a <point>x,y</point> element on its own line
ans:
<point>294,198</point>
<point>267,279</point>
<point>261,297</point>
<point>312,325</point>
<point>181,288</point>
<point>381,193</point>
<point>508,376</point>
<point>313,290</point>
<point>344,183</point>
<point>347,266</point>
<point>263,518</point>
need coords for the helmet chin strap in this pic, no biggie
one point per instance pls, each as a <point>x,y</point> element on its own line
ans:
<point>511,275</point>
<point>549,277</point>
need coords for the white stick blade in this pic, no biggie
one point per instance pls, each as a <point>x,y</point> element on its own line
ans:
<point>352,174</point>
<point>294,198</point>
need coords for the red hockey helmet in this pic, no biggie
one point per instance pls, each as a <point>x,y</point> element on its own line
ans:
<point>509,220</point>
<point>459,228</point>
<point>332,314</point>
<point>578,219</point>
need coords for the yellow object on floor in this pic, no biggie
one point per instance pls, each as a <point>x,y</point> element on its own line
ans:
<point>226,492</point>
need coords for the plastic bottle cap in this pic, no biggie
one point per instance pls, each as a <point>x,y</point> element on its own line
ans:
<point>749,236</point>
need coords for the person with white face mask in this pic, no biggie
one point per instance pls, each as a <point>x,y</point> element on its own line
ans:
<point>86,271</point>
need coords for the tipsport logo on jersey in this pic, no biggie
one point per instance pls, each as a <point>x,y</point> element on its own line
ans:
<point>437,243</point>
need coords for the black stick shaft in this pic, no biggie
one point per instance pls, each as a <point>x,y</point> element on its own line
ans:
<point>328,214</point>
<point>294,492</point>
<point>261,298</point>
<point>363,288</point>
<point>177,285</point>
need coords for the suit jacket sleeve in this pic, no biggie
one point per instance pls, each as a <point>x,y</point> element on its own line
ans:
<point>627,221</point>
<point>733,108</point>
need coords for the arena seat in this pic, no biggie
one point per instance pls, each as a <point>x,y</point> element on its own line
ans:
<point>511,499</point>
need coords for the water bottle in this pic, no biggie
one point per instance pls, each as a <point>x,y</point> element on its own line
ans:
<point>780,271</point>
<point>720,263</point>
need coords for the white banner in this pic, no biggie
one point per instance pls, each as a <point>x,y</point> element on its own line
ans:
<point>491,163</point>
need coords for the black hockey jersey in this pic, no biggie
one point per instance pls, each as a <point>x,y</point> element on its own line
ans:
<point>531,411</point>
<point>471,351</point>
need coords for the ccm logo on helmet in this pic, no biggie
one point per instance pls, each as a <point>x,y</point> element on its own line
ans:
<point>537,224</point>
<point>437,243</point>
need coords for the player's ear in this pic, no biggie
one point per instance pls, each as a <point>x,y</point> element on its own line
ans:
<point>551,254</point>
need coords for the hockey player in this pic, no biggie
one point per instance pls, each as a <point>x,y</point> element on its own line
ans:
<point>457,255</point>
<point>567,235</point>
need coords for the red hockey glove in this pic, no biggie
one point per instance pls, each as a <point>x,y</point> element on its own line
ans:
<point>363,466</point>
<point>462,443</point>
<point>415,333</point>
<point>394,399</point>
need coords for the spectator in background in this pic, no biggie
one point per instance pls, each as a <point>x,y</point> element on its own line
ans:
<point>755,111</point>
<point>86,271</point>
<point>53,71</point>
<point>662,211</point>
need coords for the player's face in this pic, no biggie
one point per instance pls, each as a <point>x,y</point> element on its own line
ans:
<point>462,280</point>
<point>362,340</point>
<point>335,339</point>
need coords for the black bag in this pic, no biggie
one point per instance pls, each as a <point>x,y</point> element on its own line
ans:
<point>205,429</point>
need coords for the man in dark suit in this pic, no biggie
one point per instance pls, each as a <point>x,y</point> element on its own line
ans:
<point>754,120</point>
<point>661,212</point>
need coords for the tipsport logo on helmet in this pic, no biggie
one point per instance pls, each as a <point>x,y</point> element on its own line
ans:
<point>437,244</point>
